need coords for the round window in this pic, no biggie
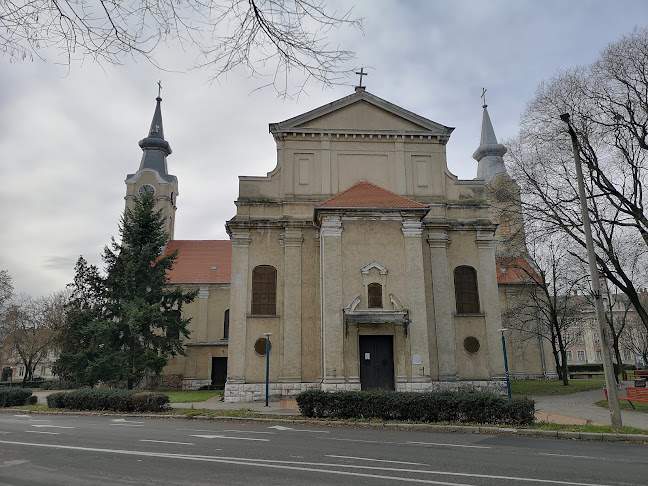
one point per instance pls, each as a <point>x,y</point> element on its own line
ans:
<point>471,344</point>
<point>260,346</point>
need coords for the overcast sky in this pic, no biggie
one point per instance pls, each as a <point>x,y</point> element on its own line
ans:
<point>68,139</point>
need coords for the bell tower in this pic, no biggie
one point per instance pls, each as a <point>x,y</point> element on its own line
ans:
<point>152,175</point>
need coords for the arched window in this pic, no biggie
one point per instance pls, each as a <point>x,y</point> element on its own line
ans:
<point>374,291</point>
<point>264,290</point>
<point>226,325</point>
<point>466,294</point>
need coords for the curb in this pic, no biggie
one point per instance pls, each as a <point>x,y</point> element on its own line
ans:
<point>462,429</point>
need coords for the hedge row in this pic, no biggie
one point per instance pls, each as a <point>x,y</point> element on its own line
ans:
<point>463,407</point>
<point>594,367</point>
<point>11,397</point>
<point>109,399</point>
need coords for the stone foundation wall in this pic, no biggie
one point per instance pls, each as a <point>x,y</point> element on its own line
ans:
<point>255,392</point>
<point>193,384</point>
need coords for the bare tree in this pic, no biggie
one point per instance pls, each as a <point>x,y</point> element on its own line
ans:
<point>269,38</point>
<point>32,328</point>
<point>545,307</point>
<point>6,293</point>
<point>635,338</point>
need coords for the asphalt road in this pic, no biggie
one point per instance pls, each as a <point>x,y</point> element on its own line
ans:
<point>88,450</point>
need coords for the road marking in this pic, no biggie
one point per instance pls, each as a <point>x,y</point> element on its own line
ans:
<point>16,462</point>
<point>281,465</point>
<point>360,440</point>
<point>168,442</point>
<point>568,455</point>
<point>129,425</point>
<point>124,421</point>
<point>42,432</point>
<point>225,437</point>
<point>25,416</point>
<point>378,460</point>
<point>53,426</point>
<point>281,427</point>
<point>244,432</point>
<point>449,445</point>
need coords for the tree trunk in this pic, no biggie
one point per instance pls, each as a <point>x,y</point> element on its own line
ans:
<point>563,367</point>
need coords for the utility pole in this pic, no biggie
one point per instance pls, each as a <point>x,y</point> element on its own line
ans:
<point>608,368</point>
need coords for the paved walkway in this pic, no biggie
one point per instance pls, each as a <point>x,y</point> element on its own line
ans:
<point>579,408</point>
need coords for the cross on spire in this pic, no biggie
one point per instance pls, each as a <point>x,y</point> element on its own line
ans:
<point>159,83</point>
<point>483,96</point>
<point>361,73</point>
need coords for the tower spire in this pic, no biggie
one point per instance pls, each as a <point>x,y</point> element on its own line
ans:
<point>155,147</point>
<point>489,154</point>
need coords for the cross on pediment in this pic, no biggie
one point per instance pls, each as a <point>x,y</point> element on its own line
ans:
<point>361,73</point>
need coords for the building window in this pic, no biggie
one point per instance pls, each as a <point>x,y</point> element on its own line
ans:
<point>21,371</point>
<point>597,337</point>
<point>173,329</point>
<point>42,371</point>
<point>466,295</point>
<point>264,290</point>
<point>569,356</point>
<point>579,338</point>
<point>627,355</point>
<point>505,225</point>
<point>471,345</point>
<point>374,291</point>
<point>599,356</point>
<point>226,325</point>
<point>581,355</point>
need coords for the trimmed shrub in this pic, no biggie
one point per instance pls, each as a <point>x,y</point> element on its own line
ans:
<point>33,400</point>
<point>585,368</point>
<point>446,406</point>
<point>109,399</point>
<point>11,397</point>
<point>149,401</point>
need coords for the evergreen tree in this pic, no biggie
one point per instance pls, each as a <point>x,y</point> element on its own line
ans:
<point>127,324</point>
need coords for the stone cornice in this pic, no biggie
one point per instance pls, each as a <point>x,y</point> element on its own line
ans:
<point>342,135</point>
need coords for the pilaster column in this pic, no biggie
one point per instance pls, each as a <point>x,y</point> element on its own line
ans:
<point>443,316</point>
<point>326,164</point>
<point>203,317</point>
<point>292,308</point>
<point>399,153</point>
<point>489,299</point>
<point>418,328</point>
<point>238,305</point>
<point>331,250</point>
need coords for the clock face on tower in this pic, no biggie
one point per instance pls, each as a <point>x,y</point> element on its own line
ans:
<point>146,188</point>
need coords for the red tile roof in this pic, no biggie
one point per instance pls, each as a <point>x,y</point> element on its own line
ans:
<point>368,195</point>
<point>201,261</point>
<point>515,270</point>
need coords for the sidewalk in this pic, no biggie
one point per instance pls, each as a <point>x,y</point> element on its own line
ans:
<point>579,408</point>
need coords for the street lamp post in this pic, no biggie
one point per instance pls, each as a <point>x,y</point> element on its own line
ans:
<point>267,335</point>
<point>508,380</point>
<point>610,381</point>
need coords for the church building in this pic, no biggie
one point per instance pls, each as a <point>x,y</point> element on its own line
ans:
<point>363,260</point>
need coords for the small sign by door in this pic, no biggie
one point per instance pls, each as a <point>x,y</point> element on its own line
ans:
<point>367,355</point>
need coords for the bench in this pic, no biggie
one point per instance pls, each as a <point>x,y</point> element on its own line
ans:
<point>641,373</point>
<point>636,394</point>
<point>585,374</point>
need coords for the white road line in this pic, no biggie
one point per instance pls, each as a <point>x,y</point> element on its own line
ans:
<point>41,432</point>
<point>280,465</point>
<point>15,462</point>
<point>53,426</point>
<point>124,421</point>
<point>360,440</point>
<point>168,442</point>
<point>377,460</point>
<point>24,416</point>
<point>568,455</point>
<point>244,432</point>
<point>225,437</point>
<point>129,425</point>
<point>449,445</point>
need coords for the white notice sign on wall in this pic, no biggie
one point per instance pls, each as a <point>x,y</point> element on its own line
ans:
<point>416,359</point>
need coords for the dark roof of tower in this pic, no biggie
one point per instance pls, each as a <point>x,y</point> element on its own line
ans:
<point>155,147</point>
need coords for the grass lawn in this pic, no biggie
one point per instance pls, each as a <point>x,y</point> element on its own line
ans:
<point>554,387</point>
<point>191,395</point>
<point>639,406</point>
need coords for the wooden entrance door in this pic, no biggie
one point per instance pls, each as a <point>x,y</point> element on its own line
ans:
<point>219,372</point>
<point>376,362</point>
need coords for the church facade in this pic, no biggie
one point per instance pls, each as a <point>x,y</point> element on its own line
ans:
<point>360,257</point>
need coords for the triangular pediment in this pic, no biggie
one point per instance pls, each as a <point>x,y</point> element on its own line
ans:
<point>365,195</point>
<point>362,112</point>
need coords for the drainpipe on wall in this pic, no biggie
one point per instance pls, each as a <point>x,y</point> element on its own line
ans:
<point>321,275</point>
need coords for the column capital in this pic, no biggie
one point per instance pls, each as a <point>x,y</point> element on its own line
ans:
<point>240,237</point>
<point>292,237</point>
<point>412,228</point>
<point>485,239</point>
<point>331,225</point>
<point>438,239</point>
